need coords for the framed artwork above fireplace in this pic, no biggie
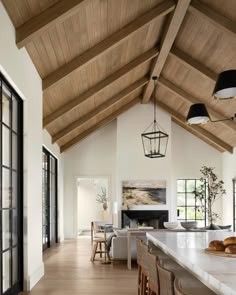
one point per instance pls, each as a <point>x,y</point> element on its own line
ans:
<point>141,192</point>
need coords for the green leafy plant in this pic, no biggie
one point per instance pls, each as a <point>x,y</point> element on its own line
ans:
<point>209,192</point>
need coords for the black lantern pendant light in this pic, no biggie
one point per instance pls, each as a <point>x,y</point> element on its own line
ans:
<point>225,87</point>
<point>154,138</point>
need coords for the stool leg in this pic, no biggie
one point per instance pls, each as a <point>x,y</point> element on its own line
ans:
<point>94,251</point>
<point>100,249</point>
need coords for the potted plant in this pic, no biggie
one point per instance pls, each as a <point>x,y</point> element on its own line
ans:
<point>102,198</point>
<point>208,193</point>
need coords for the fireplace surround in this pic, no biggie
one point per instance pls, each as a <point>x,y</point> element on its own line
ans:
<point>154,218</point>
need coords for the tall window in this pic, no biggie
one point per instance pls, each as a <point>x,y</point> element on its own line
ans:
<point>187,205</point>
<point>234,204</point>
<point>11,193</point>
<point>50,225</point>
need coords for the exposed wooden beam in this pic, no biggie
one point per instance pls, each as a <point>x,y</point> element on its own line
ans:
<point>108,44</point>
<point>191,99</point>
<point>143,58</point>
<point>224,24</point>
<point>99,124</point>
<point>100,109</point>
<point>58,12</point>
<point>199,131</point>
<point>197,134</point>
<point>193,64</point>
<point>166,44</point>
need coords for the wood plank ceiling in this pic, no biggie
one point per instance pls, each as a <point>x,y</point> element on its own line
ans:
<point>96,58</point>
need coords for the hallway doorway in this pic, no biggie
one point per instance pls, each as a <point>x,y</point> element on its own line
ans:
<point>93,202</point>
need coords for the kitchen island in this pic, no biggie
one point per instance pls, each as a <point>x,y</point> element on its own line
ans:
<point>187,248</point>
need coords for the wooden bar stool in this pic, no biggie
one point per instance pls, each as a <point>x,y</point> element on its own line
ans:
<point>178,281</point>
<point>139,262</point>
<point>190,286</point>
<point>101,244</point>
<point>142,251</point>
<point>153,283</point>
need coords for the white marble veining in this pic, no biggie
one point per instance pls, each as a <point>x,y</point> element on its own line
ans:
<point>187,248</point>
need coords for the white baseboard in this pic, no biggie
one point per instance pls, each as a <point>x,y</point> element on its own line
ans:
<point>33,279</point>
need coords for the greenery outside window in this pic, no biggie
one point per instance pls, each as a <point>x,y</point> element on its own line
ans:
<point>187,205</point>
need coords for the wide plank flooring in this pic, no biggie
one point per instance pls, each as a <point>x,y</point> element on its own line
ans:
<point>68,270</point>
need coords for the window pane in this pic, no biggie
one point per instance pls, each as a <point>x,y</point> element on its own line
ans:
<point>181,185</point>
<point>14,114</point>
<point>191,213</point>
<point>190,185</point>
<point>14,227</point>
<point>5,229</point>
<point>6,262</point>
<point>6,190</point>
<point>15,265</point>
<point>190,199</point>
<point>200,214</point>
<point>181,213</point>
<point>181,199</point>
<point>14,190</point>
<point>14,151</point>
<point>6,105</point>
<point>6,146</point>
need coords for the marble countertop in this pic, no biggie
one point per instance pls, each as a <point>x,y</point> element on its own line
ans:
<point>187,248</point>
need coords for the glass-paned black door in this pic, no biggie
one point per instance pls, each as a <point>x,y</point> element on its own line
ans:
<point>11,196</point>
<point>50,224</point>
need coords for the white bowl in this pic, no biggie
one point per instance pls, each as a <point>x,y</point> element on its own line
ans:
<point>170,225</point>
<point>189,224</point>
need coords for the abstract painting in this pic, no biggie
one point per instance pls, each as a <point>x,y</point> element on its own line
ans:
<point>142,192</point>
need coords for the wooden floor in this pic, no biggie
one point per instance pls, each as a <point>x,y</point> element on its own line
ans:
<point>68,271</point>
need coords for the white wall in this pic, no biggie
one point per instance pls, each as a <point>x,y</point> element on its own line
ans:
<point>229,173</point>
<point>20,71</point>
<point>93,157</point>
<point>54,149</point>
<point>189,154</point>
<point>131,163</point>
<point>117,150</point>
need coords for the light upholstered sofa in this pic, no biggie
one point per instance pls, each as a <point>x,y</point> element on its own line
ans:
<point>118,250</point>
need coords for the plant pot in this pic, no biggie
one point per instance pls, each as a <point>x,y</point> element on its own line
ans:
<point>104,205</point>
<point>213,226</point>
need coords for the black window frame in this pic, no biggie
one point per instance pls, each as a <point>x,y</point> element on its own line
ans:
<point>48,170</point>
<point>186,206</point>
<point>17,287</point>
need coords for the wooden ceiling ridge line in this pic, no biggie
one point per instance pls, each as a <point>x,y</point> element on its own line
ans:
<point>168,39</point>
<point>99,124</point>
<point>33,28</point>
<point>100,109</point>
<point>191,99</point>
<point>223,23</point>
<point>107,44</point>
<point>74,103</point>
<point>202,133</point>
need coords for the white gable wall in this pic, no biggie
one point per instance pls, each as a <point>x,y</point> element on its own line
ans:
<point>116,150</point>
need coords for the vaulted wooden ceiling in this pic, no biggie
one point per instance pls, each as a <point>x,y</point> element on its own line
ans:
<point>96,58</point>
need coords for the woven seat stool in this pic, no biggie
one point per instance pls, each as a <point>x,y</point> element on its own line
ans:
<point>101,244</point>
<point>190,286</point>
